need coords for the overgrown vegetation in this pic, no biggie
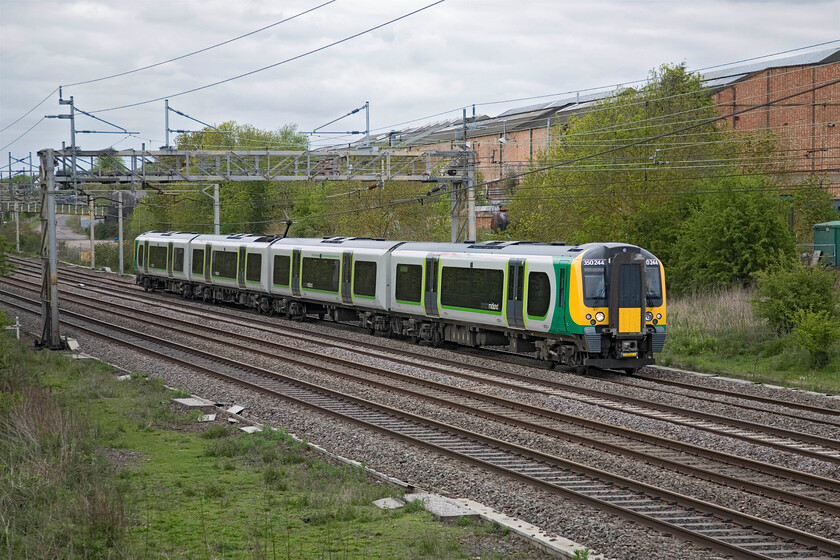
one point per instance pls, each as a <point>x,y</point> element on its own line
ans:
<point>92,467</point>
<point>720,331</point>
<point>656,167</point>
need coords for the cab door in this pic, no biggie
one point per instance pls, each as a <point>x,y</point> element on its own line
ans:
<point>515,293</point>
<point>627,291</point>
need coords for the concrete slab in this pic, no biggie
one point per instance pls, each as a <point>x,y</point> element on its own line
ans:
<point>552,544</point>
<point>389,503</point>
<point>193,402</point>
<point>250,429</point>
<point>123,378</point>
<point>207,418</point>
<point>235,409</point>
<point>442,508</point>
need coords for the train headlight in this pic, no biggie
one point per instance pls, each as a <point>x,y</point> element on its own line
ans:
<point>659,315</point>
<point>599,316</point>
<point>588,316</point>
<point>648,316</point>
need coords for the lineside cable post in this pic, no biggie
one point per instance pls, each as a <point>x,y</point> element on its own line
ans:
<point>50,335</point>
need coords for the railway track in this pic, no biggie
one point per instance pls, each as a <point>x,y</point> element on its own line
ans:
<point>760,478</point>
<point>800,443</point>
<point>719,528</point>
<point>104,280</point>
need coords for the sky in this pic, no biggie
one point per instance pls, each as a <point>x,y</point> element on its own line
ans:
<point>426,67</point>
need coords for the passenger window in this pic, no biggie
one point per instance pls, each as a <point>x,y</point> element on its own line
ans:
<point>539,294</point>
<point>224,265</point>
<point>178,260</point>
<point>253,272</point>
<point>409,283</point>
<point>157,257</point>
<point>364,279</point>
<point>320,274</point>
<point>198,261</point>
<point>472,288</point>
<point>282,267</point>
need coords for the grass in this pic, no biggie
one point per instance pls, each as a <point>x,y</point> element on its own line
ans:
<point>717,332</point>
<point>91,467</point>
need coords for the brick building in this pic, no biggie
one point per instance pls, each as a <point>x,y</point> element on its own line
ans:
<point>797,99</point>
<point>806,123</point>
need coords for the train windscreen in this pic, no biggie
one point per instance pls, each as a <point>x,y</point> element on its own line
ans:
<point>595,282</point>
<point>653,282</point>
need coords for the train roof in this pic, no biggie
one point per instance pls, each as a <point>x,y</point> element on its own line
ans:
<point>524,248</point>
<point>495,247</point>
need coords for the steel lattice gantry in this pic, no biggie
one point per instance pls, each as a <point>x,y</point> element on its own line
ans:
<point>160,166</point>
<point>453,170</point>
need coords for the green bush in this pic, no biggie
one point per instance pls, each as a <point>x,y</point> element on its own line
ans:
<point>785,291</point>
<point>817,332</point>
<point>733,235</point>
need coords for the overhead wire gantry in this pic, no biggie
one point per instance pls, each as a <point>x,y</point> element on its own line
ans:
<point>452,170</point>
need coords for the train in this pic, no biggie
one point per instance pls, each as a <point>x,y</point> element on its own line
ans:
<point>594,305</point>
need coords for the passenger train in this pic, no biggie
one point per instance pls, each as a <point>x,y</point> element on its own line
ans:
<point>591,305</point>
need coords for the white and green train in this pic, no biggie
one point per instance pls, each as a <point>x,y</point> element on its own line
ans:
<point>597,304</point>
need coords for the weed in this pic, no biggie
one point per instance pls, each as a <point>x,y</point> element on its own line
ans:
<point>414,506</point>
<point>216,431</point>
<point>581,554</point>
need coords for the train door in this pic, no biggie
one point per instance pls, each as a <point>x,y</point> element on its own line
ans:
<point>430,292</point>
<point>346,277</point>
<point>170,258</point>
<point>208,260</point>
<point>627,291</point>
<point>296,272</point>
<point>515,293</point>
<point>146,258</point>
<point>240,269</point>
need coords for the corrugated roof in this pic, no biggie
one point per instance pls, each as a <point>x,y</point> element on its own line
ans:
<point>537,115</point>
<point>733,74</point>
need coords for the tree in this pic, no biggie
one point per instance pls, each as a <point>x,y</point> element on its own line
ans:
<point>609,182</point>
<point>233,136</point>
<point>735,233</point>
<point>810,204</point>
<point>5,265</point>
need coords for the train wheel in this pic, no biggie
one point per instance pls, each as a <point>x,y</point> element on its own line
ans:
<point>436,338</point>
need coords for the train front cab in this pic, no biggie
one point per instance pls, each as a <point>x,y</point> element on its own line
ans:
<point>621,308</point>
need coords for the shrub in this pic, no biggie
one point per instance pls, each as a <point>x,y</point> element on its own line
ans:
<point>731,236</point>
<point>785,291</point>
<point>816,332</point>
